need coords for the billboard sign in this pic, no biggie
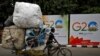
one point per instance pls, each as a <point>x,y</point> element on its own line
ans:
<point>60,23</point>
<point>85,29</point>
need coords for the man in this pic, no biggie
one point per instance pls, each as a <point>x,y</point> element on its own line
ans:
<point>51,36</point>
<point>49,44</point>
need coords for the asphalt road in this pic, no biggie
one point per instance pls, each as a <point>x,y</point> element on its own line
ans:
<point>5,52</point>
<point>75,52</point>
<point>85,51</point>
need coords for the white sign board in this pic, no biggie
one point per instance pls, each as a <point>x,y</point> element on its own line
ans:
<point>85,29</point>
<point>61,26</point>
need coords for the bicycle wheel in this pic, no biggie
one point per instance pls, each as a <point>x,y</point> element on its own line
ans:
<point>50,52</point>
<point>64,52</point>
<point>45,51</point>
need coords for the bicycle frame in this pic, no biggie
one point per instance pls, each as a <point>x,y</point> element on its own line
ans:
<point>57,50</point>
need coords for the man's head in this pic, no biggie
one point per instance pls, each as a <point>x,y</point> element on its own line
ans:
<point>53,30</point>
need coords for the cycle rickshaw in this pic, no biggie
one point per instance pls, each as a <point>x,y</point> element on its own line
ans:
<point>47,51</point>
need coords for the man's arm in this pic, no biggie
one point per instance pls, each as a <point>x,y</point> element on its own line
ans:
<point>56,40</point>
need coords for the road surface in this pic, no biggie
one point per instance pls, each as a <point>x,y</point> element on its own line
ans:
<point>75,52</point>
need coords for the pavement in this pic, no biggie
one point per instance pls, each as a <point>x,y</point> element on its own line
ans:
<point>75,51</point>
<point>85,51</point>
<point>5,52</point>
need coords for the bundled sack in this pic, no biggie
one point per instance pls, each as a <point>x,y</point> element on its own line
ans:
<point>13,32</point>
<point>27,15</point>
<point>9,21</point>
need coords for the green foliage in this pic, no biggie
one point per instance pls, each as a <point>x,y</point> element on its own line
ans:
<point>53,6</point>
<point>49,7</point>
<point>84,6</point>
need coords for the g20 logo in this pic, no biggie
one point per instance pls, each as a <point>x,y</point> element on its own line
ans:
<point>83,26</point>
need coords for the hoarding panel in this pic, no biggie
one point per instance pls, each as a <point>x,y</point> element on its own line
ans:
<point>85,29</point>
<point>61,25</point>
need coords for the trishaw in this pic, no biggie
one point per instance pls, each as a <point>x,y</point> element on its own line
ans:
<point>39,35</point>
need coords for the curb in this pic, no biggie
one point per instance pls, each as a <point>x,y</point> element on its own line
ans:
<point>85,46</point>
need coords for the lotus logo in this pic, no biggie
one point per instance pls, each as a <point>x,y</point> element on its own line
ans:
<point>92,26</point>
<point>58,23</point>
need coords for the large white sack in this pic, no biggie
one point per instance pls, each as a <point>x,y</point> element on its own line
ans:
<point>27,15</point>
<point>13,32</point>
